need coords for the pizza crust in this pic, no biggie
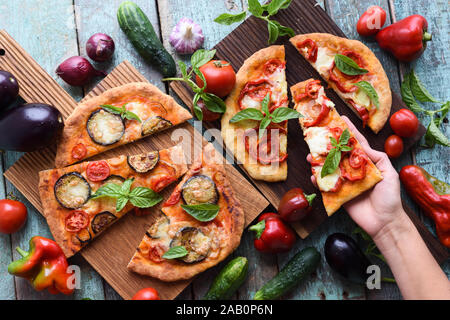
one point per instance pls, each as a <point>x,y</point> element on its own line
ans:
<point>75,125</point>
<point>380,82</point>
<point>233,138</point>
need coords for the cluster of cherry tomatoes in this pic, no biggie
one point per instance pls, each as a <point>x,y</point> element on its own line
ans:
<point>405,124</point>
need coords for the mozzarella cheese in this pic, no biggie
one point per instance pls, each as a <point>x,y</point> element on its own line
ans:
<point>317,139</point>
<point>248,102</point>
<point>279,88</point>
<point>324,60</point>
<point>362,99</point>
<point>140,109</point>
<point>329,181</point>
<point>321,98</point>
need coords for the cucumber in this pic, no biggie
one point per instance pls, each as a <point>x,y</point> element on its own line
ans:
<point>228,280</point>
<point>298,268</point>
<point>140,32</point>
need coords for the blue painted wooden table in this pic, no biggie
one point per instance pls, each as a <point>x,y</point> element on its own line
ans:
<point>54,30</point>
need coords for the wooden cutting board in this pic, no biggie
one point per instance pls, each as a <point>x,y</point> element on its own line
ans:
<point>110,253</point>
<point>303,16</point>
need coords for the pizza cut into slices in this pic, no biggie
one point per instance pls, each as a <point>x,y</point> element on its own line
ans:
<point>116,117</point>
<point>68,195</point>
<point>323,129</point>
<point>261,74</point>
<point>206,236</point>
<point>367,93</point>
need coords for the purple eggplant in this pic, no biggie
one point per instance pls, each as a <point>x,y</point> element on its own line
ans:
<point>9,88</point>
<point>346,258</point>
<point>29,127</point>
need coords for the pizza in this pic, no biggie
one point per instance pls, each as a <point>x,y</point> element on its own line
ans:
<point>320,50</point>
<point>116,117</point>
<point>322,125</point>
<point>75,217</point>
<point>206,242</point>
<point>263,158</point>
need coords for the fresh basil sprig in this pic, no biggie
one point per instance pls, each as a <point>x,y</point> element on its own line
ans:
<point>122,111</point>
<point>370,91</point>
<point>202,212</point>
<point>140,197</point>
<point>212,102</point>
<point>278,115</point>
<point>258,10</point>
<point>334,156</point>
<point>348,65</point>
<point>175,252</point>
<point>413,90</point>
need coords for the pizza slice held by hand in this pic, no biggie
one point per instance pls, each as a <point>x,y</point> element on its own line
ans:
<point>201,224</point>
<point>116,117</point>
<point>353,71</point>
<point>81,201</point>
<point>339,164</point>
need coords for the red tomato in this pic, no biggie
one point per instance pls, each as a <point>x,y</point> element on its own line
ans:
<point>295,205</point>
<point>13,215</point>
<point>371,21</point>
<point>97,171</point>
<point>220,77</point>
<point>393,146</point>
<point>207,114</point>
<point>404,123</point>
<point>272,65</point>
<point>146,294</point>
<point>76,221</point>
<point>79,151</point>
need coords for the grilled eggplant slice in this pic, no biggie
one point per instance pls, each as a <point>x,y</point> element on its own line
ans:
<point>101,221</point>
<point>159,228</point>
<point>195,241</point>
<point>114,178</point>
<point>105,128</point>
<point>199,189</point>
<point>72,190</point>
<point>84,236</point>
<point>155,124</point>
<point>143,163</point>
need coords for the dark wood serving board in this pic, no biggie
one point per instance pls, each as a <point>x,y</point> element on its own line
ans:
<point>304,16</point>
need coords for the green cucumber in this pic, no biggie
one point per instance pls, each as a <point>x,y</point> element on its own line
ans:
<point>228,280</point>
<point>298,268</point>
<point>140,32</point>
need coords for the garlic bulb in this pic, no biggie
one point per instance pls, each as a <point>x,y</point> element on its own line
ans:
<point>186,36</point>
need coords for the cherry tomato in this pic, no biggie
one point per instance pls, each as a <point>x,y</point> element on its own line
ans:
<point>295,205</point>
<point>13,215</point>
<point>220,77</point>
<point>146,294</point>
<point>371,21</point>
<point>97,171</point>
<point>79,151</point>
<point>393,146</point>
<point>208,115</point>
<point>76,221</point>
<point>404,123</point>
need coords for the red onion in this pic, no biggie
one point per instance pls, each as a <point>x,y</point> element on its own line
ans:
<point>100,47</point>
<point>77,71</point>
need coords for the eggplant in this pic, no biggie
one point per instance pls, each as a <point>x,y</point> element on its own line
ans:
<point>199,189</point>
<point>30,127</point>
<point>159,228</point>
<point>72,190</point>
<point>143,163</point>
<point>84,236</point>
<point>9,88</point>
<point>155,124</point>
<point>101,221</point>
<point>105,128</point>
<point>195,241</point>
<point>346,258</point>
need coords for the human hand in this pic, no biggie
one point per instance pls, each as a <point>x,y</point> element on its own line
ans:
<point>379,207</point>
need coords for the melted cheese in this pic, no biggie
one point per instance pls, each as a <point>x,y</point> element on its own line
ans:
<point>317,139</point>
<point>140,109</point>
<point>324,60</point>
<point>248,102</point>
<point>279,88</point>
<point>323,98</point>
<point>106,127</point>
<point>329,181</point>
<point>362,99</point>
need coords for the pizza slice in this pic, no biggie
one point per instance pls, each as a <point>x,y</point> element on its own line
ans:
<point>201,224</point>
<point>116,117</point>
<point>341,167</point>
<point>79,202</point>
<point>353,71</point>
<point>264,157</point>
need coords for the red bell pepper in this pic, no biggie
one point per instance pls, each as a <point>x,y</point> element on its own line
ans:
<point>295,205</point>
<point>432,195</point>
<point>406,39</point>
<point>272,234</point>
<point>44,265</point>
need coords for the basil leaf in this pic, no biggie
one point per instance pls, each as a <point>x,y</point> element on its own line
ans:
<point>346,148</point>
<point>202,212</point>
<point>247,114</point>
<point>274,6</point>
<point>175,252</point>
<point>142,197</point>
<point>121,202</point>
<point>418,89</point>
<point>436,135</point>
<point>263,125</point>
<point>213,103</point>
<point>348,66</point>
<point>111,108</point>
<point>131,116</point>
<point>370,91</point>
<point>197,110</point>
<point>255,8</point>
<point>201,76</point>
<point>281,114</point>
<point>227,18</point>
<point>334,142</point>
<point>265,104</point>
<point>331,162</point>
<point>444,111</point>
<point>345,136</point>
<point>202,56</point>
<point>284,31</point>
<point>125,188</point>
<point>183,68</point>
<point>109,190</point>
<point>407,95</point>
<point>286,4</point>
<point>273,31</point>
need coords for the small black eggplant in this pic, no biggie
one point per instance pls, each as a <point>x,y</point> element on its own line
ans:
<point>29,127</point>
<point>346,258</point>
<point>9,89</point>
